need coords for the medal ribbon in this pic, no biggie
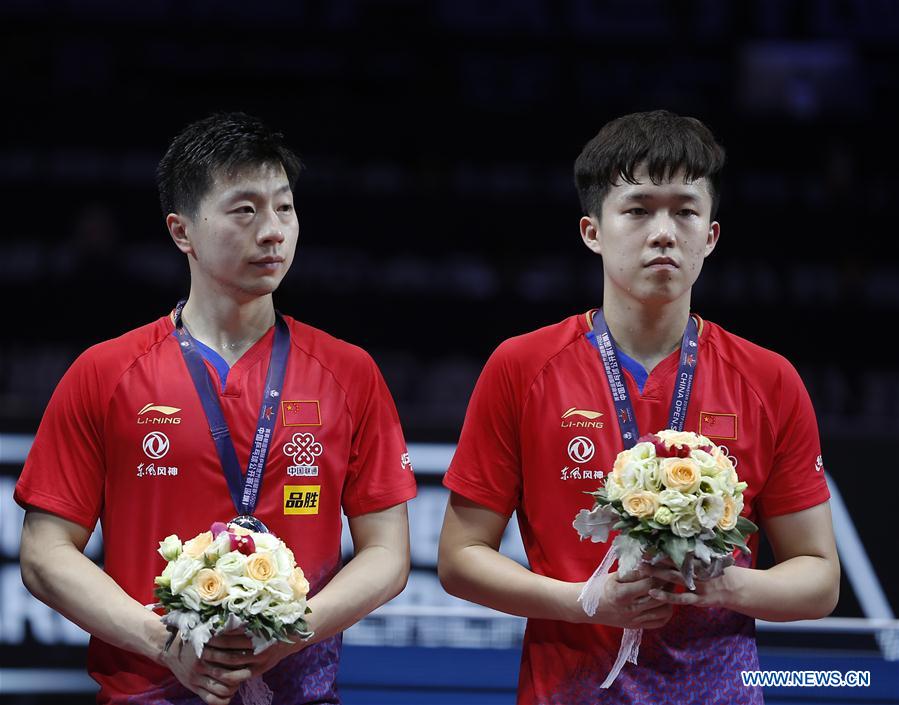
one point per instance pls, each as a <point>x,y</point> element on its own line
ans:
<point>244,489</point>
<point>683,386</point>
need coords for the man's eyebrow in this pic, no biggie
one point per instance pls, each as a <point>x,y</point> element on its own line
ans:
<point>647,196</point>
<point>248,193</point>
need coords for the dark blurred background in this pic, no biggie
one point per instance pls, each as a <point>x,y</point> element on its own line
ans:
<point>437,210</point>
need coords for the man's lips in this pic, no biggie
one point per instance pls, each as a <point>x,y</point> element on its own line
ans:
<point>268,260</point>
<point>662,262</point>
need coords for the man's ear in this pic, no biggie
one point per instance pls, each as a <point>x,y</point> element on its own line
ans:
<point>712,239</point>
<point>178,226</point>
<point>590,233</point>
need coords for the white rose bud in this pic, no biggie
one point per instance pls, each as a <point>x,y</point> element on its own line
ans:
<point>170,547</point>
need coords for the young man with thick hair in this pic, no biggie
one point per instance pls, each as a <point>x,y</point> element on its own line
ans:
<point>127,439</point>
<point>543,427</point>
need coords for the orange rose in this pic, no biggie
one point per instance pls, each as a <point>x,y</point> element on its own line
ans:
<point>640,504</point>
<point>197,545</point>
<point>731,513</point>
<point>621,460</point>
<point>299,583</point>
<point>681,474</point>
<point>210,586</point>
<point>260,566</point>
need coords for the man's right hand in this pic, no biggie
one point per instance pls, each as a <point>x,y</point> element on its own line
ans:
<point>215,685</point>
<point>626,602</point>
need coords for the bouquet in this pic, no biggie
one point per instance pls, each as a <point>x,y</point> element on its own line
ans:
<point>676,495</point>
<point>232,578</point>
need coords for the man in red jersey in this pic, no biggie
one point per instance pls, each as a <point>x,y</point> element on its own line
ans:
<point>543,427</point>
<point>311,430</point>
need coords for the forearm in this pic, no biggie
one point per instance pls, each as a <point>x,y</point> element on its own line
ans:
<point>70,583</point>
<point>375,575</point>
<point>803,587</point>
<point>481,574</point>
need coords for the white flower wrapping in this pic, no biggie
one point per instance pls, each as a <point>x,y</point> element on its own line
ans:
<point>231,578</point>
<point>674,495</point>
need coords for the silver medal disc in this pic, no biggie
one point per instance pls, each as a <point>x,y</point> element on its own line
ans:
<point>249,522</point>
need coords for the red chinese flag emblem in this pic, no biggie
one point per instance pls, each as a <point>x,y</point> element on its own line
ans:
<point>716,425</point>
<point>301,413</point>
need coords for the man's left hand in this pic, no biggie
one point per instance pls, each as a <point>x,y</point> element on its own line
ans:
<point>234,650</point>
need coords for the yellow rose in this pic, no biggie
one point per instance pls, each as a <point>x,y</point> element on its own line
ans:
<point>299,583</point>
<point>260,566</point>
<point>724,463</point>
<point>681,474</point>
<point>210,586</point>
<point>239,530</point>
<point>621,460</point>
<point>197,545</point>
<point>729,519</point>
<point>640,504</point>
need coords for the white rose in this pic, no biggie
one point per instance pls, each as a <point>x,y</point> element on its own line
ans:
<point>170,547</point>
<point>676,501</point>
<point>643,451</point>
<point>241,593</point>
<point>284,562</point>
<point>630,476</point>
<point>706,462</point>
<point>190,598</point>
<point>245,586</point>
<point>267,542</point>
<point>288,612</point>
<point>652,476</point>
<point>685,525</point>
<point>259,605</point>
<point>232,564</point>
<point>279,589</point>
<point>709,510</point>
<point>165,580</point>
<point>218,548</point>
<point>614,489</point>
<point>183,572</point>
<point>722,483</point>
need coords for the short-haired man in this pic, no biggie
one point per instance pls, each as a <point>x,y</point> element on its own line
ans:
<point>126,438</point>
<point>542,427</point>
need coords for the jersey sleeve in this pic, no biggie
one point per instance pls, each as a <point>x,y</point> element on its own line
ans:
<point>380,473</point>
<point>796,481</point>
<point>64,473</point>
<point>486,467</point>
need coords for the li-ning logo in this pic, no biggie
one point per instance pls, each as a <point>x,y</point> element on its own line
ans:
<point>567,422</point>
<point>166,418</point>
<point>155,445</point>
<point>581,449</point>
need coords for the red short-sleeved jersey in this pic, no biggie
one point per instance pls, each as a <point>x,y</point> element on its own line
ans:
<point>541,430</point>
<point>124,439</point>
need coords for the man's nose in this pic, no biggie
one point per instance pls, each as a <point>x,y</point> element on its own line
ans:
<point>663,232</point>
<point>272,230</point>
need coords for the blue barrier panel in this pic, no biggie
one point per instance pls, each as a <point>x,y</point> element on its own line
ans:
<point>441,676</point>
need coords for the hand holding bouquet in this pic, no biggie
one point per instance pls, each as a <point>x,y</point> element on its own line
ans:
<point>232,578</point>
<point>676,495</point>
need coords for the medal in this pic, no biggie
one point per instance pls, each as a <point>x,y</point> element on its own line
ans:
<point>250,523</point>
